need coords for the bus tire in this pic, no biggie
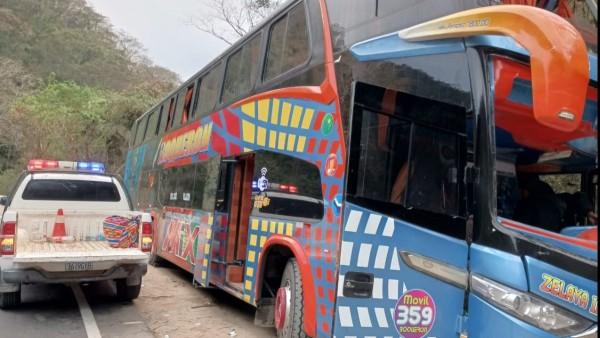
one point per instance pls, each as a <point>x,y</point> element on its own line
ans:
<point>289,303</point>
<point>127,292</point>
<point>9,300</point>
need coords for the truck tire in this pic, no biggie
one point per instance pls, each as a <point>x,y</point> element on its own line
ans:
<point>127,292</point>
<point>289,303</point>
<point>10,300</point>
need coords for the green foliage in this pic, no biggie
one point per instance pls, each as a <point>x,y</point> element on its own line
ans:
<point>70,87</point>
<point>7,180</point>
<point>67,38</point>
<point>64,120</point>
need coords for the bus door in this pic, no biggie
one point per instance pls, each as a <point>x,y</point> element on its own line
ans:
<point>233,207</point>
<point>403,260</point>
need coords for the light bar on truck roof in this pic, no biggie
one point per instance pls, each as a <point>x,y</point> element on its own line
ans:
<point>83,166</point>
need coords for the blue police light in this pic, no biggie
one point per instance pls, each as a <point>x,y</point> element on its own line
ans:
<point>91,166</point>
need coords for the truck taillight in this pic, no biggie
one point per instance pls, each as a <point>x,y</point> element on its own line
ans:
<point>146,236</point>
<point>7,238</point>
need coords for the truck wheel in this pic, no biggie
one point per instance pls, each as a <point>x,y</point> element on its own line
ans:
<point>127,292</point>
<point>289,303</point>
<point>10,299</point>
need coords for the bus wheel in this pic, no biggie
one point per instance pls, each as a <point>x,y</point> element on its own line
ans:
<point>289,303</point>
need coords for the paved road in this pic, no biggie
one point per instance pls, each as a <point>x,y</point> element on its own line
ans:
<point>53,311</point>
<point>169,306</point>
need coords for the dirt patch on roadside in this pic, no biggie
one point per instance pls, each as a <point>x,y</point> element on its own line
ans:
<point>173,308</point>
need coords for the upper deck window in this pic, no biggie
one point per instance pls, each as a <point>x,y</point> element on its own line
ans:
<point>151,127</point>
<point>289,44</point>
<point>242,68</point>
<point>187,104</point>
<point>141,128</point>
<point>171,114</point>
<point>209,90</point>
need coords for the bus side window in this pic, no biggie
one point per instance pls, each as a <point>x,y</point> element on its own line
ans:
<point>209,91</point>
<point>141,129</point>
<point>187,103</point>
<point>194,108</point>
<point>133,132</point>
<point>159,121</point>
<point>289,45</point>
<point>170,116</point>
<point>185,185</point>
<point>407,157</point>
<point>177,115</point>
<point>168,185</point>
<point>285,186</point>
<point>149,120</point>
<point>242,67</point>
<point>205,185</point>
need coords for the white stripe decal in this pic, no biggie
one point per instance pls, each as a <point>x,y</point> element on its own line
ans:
<point>353,221</point>
<point>346,253</point>
<point>404,288</point>
<point>378,288</point>
<point>381,318</point>
<point>393,289</point>
<point>381,257</point>
<point>388,231</point>
<point>340,286</point>
<point>345,316</point>
<point>363,317</point>
<point>364,254</point>
<point>373,224</point>
<point>395,263</point>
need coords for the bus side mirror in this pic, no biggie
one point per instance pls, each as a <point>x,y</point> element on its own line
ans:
<point>558,54</point>
<point>3,200</point>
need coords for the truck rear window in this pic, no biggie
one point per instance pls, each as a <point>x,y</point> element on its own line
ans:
<point>71,190</point>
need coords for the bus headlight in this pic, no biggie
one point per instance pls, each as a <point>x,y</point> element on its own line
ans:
<point>531,309</point>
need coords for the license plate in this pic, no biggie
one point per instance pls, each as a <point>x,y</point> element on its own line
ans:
<point>79,266</point>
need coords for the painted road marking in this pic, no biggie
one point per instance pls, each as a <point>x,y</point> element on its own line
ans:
<point>89,322</point>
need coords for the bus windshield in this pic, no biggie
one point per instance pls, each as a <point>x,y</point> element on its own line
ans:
<point>545,178</point>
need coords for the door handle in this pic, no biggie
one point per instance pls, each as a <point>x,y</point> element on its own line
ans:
<point>358,285</point>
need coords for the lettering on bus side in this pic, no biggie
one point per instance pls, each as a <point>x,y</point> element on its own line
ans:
<point>558,288</point>
<point>181,236</point>
<point>188,143</point>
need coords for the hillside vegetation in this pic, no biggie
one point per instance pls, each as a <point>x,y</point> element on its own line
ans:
<point>70,86</point>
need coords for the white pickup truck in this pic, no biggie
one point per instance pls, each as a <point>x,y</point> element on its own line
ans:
<point>30,254</point>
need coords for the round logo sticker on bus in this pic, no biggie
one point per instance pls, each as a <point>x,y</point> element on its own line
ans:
<point>414,314</point>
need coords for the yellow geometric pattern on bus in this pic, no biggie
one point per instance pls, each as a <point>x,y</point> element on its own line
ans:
<point>276,124</point>
<point>260,230</point>
<point>204,273</point>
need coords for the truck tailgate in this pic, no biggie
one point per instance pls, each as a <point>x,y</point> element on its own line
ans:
<point>76,256</point>
<point>82,251</point>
